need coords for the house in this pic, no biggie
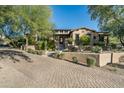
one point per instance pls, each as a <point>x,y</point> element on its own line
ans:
<point>61,37</point>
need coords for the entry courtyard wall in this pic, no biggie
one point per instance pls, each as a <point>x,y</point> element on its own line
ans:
<point>102,59</point>
<point>82,57</point>
<point>118,57</point>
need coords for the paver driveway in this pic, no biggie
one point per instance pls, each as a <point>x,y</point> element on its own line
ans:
<point>48,72</point>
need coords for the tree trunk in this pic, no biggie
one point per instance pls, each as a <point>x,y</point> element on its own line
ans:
<point>45,47</point>
<point>13,44</point>
<point>121,40</point>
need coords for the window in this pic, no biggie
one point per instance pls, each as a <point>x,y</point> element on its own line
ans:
<point>94,37</point>
<point>101,38</point>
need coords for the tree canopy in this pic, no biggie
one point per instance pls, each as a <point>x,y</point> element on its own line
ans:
<point>16,21</point>
<point>35,18</point>
<point>110,18</point>
<point>85,39</point>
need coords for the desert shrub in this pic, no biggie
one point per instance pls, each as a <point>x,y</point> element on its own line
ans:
<point>30,50</point>
<point>96,49</point>
<point>20,42</point>
<point>72,48</point>
<point>40,45</point>
<point>34,52</point>
<point>56,55</point>
<point>51,45</point>
<point>113,46</point>
<point>91,61</point>
<point>113,41</point>
<point>59,55</point>
<point>119,47</point>
<point>17,42</point>
<point>85,39</point>
<point>101,44</point>
<point>31,40</point>
<point>122,49</point>
<point>86,48</point>
<point>75,60</point>
<point>38,52</point>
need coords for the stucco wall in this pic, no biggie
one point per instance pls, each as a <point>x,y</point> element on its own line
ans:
<point>116,57</point>
<point>31,47</point>
<point>82,57</point>
<point>102,59</point>
<point>84,32</point>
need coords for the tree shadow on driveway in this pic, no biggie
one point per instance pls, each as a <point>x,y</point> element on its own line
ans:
<point>12,55</point>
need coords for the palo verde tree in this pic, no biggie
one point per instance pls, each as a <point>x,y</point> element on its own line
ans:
<point>110,18</point>
<point>19,19</point>
<point>38,19</point>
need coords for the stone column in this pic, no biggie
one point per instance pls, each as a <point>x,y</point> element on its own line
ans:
<point>106,40</point>
<point>91,40</point>
<point>57,42</point>
<point>66,43</point>
<point>26,45</point>
<point>73,37</point>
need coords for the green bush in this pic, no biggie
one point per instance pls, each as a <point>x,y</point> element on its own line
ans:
<point>70,40</point>
<point>31,40</point>
<point>91,62</point>
<point>51,45</point>
<point>40,45</point>
<point>96,49</point>
<point>21,42</point>
<point>75,60</point>
<point>30,50</point>
<point>101,44</point>
<point>113,46</point>
<point>85,39</point>
<point>38,52</point>
<point>34,52</point>
<point>17,42</point>
<point>113,41</point>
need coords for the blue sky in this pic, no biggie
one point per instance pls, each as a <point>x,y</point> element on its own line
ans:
<point>72,16</point>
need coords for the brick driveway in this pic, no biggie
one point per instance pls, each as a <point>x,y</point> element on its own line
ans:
<point>49,72</point>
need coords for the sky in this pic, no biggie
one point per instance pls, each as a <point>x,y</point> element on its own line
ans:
<point>72,17</point>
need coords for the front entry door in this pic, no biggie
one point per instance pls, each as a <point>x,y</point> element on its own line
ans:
<point>61,43</point>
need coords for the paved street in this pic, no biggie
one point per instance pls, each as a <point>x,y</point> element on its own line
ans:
<point>44,71</point>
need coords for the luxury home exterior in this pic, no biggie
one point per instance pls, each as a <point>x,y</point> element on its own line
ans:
<point>62,35</point>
